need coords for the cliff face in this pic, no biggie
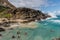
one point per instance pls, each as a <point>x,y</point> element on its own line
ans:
<point>21,16</point>
<point>9,11</point>
<point>29,14</point>
<point>6,3</point>
<point>22,13</point>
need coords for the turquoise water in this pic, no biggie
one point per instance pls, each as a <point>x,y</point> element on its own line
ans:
<point>46,30</point>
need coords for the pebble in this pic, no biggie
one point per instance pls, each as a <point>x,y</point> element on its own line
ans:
<point>0,35</point>
<point>13,36</point>
<point>18,32</point>
<point>18,36</point>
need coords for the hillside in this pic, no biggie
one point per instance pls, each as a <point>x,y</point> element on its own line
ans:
<point>10,12</point>
<point>6,3</point>
<point>22,13</point>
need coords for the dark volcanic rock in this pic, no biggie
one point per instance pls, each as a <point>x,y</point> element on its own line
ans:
<point>18,36</point>
<point>0,35</point>
<point>6,24</point>
<point>13,36</point>
<point>2,29</point>
<point>18,32</point>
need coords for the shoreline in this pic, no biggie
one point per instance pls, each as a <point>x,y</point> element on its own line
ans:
<point>7,24</point>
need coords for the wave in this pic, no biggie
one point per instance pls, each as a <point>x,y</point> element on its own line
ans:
<point>53,15</point>
<point>55,21</point>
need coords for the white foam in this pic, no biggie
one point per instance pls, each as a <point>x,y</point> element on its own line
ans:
<point>53,15</point>
<point>56,21</point>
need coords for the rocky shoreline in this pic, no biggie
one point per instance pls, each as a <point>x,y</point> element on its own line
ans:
<point>24,15</point>
<point>20,15</point>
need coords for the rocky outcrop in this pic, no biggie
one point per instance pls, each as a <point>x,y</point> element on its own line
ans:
<point>29,14</point>
<point>10,18</point>
<point>6,3</point>
<point>22,13</point>
<point>10,12</point>
<point>2,29</point>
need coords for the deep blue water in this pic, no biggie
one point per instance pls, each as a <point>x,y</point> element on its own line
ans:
<point>46,30</point>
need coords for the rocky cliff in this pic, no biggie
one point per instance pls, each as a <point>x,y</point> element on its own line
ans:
<point>19,16</point>
<point>22,13</point>
<point>9,11</point>
<point>6,3</point>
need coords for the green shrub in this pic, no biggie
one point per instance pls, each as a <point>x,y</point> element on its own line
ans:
<point>2,8</point>
<point>5,15</point>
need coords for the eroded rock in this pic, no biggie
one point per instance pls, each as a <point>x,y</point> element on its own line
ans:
<point>2,29</point>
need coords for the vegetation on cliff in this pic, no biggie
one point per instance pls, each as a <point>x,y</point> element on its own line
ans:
<point>3,12</point>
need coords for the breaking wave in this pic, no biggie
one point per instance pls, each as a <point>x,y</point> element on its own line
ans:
<point>53,15</point>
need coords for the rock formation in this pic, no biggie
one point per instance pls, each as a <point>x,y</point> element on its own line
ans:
<point>6,3</point>
<point>9,15</point>
<point>23,14</point>
<point>11,12</point>
<point>29,14</point>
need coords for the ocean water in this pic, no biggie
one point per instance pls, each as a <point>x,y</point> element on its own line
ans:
<point>48,29</point>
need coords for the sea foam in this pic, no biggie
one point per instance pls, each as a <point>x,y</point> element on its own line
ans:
<point>53,15</point>
<point>56,21</point>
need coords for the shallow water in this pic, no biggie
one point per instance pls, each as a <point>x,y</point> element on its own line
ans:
<point>46,30</point>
